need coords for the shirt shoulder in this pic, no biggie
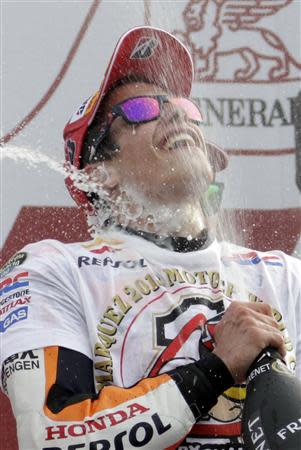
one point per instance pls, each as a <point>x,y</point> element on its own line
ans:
<point>248,257</point>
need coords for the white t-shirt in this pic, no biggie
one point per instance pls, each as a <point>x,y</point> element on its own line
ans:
<point>138,310</point>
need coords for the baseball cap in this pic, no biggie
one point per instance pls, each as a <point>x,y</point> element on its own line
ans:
<point>142,52</point>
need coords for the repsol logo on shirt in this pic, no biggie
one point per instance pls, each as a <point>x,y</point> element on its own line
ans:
<point>103,262</point>
<point>138,435</point>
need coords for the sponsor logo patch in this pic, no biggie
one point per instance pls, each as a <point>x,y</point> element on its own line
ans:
<point>104,249</point>
<point>107,261</point>
<point>70,150</point>
<point>115,417</point>
<point>15,261</point>
<point>139,435</point>
<point>13,318</point>
<point>16,295</point>
<point>145,48</point>
<point>14,304</point>
<point>19,362</point>
<point>84,109</point>
<point>252,258</point>
<point>91,104</point>
<point>100,245</point>
<point>10,284</point>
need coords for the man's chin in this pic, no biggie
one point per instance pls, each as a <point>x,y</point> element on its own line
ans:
<point>186,185</point>
<point>177,187</point>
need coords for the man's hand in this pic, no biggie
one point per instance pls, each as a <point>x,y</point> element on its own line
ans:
<point>244,331</point>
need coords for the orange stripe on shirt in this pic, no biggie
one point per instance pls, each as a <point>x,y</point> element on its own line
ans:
<point>109,397</point>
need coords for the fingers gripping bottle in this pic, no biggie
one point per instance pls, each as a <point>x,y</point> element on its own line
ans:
<point>272,412</point>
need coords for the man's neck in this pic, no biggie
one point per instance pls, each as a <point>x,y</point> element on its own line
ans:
<point>175,243</point>
<point>174,219</point>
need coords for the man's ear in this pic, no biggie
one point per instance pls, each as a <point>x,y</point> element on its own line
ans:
<point>104,175</point>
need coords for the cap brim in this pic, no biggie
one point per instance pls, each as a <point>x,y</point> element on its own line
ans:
<point>153,55</point>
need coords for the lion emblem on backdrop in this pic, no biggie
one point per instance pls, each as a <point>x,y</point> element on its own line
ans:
<point>217,29</point>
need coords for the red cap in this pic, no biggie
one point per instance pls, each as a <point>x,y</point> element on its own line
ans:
<point>144,52</point>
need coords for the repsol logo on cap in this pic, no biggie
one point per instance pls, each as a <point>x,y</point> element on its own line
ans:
<point>145,48</point>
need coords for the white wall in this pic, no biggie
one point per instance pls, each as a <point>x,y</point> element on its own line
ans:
<point>35,39</point>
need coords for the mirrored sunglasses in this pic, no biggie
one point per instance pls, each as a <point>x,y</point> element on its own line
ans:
<point>144,109</point>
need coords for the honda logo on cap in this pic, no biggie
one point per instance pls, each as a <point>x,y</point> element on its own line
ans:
<point>145,48</point>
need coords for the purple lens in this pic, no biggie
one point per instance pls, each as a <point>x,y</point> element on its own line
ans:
<point>141,109</point>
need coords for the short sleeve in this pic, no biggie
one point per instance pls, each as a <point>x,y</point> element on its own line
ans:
<point>40,302</point>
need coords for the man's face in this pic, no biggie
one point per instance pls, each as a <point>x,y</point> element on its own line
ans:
<point>164,160</point>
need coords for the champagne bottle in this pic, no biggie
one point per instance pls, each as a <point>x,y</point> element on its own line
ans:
<point>272,411</point>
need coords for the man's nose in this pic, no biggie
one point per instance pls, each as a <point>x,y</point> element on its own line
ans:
<point>172,113</point>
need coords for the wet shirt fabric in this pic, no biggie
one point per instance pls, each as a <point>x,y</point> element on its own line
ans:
<point>134,312</point>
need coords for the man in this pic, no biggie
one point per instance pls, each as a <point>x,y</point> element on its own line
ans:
<point>141,338</point>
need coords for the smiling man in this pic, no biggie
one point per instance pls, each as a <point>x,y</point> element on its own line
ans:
<point>142,337</point>
<point>156,156</point>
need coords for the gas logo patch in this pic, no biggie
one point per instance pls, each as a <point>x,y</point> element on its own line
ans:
<point>13,318</point>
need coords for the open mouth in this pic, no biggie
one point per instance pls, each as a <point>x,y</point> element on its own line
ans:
<point>178,139</point>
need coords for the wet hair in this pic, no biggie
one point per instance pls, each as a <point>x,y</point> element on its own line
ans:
<point>106,149</point>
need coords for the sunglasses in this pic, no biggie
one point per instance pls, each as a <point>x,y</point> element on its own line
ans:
<point>143,109</point>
